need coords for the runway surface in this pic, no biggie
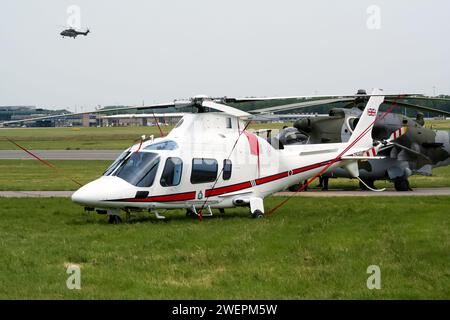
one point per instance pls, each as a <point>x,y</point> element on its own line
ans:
<point>333,193</point>
<point>61,154</point>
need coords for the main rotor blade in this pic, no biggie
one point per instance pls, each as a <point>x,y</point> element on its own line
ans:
<point>63,115</point>
<point>315,103</point>
<point>301,105</point>
<point>227,109</point>
<point>416,107</point>
<point>421,97</point>
<point>256,99</point>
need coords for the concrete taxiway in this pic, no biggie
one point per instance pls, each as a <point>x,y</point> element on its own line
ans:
<point>309,193</point>
<point>61,154</point>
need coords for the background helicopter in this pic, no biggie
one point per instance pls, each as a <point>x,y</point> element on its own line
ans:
<point>417,152</point>
<point>72,33</point>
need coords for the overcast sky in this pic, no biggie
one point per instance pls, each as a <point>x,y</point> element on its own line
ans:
<point>158,50</point>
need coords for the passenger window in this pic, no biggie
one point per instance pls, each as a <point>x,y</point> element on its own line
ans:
<point>226,169</point>
<point>203,170</point>
<point>229,123</point>
<point>171,175</point>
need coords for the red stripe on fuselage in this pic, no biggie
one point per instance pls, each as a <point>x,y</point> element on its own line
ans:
<point>272,178</point>
<point>310,167</point>
<point>223,190</point>
<point>164,198</point>
<point>228,189</point>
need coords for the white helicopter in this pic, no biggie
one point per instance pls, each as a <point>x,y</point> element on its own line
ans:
<point>210,161</point>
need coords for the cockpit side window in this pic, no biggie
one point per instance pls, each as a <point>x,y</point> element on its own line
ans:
<point>139,169</point>
<point>171,175</point>
<point>179,123</point>
<point>352,122</point>
<point>229,123</point>
<point>116,163</point>
<point>227,165</point>
<point>203,170</point>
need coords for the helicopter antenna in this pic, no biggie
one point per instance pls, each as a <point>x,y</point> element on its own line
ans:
<point>156,120</point>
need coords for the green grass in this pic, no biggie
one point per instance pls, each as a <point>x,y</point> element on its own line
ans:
<point>76,138</point>
<point>308,249</point>
<point>106,138</point>
<point>438,124</point>
<point>256,126</point>
<point>21,175</point>
<point>440,178</point>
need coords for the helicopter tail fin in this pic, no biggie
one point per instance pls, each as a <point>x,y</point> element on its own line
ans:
<point>361,138</point>
<point>87,31</point>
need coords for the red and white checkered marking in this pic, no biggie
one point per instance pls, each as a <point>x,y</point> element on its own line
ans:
<point>372,152</point>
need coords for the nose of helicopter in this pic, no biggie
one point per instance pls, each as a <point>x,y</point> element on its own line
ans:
<point>98,191</point>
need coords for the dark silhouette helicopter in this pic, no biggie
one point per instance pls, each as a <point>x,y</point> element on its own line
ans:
<point>72,33</point>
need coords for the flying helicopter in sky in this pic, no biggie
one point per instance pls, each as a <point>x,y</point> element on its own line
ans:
<point>72,33</point>
<point>417,152</point>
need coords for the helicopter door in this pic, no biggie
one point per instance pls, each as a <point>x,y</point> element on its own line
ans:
<point>171,175</point>
<point>203,171</point>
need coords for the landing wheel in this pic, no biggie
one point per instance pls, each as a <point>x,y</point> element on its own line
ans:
<point>401,184</point>
<point>190,213</point>
<point>257,214</point>
<point>114,219</point>
<point>222,210</point>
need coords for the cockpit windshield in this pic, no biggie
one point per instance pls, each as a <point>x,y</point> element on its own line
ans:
<point>139,169</point>
<point>116,163</point>
<point>163,145</point>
